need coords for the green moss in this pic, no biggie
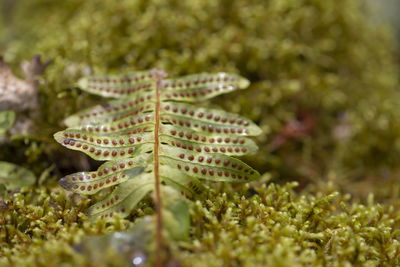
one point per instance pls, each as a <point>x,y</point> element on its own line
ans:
<point>257,226</point>
<point>39,226</point>
<point>277,227</point>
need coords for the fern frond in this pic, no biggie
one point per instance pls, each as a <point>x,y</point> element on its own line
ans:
<point>214,167</point>
<point>111,111</point>
<point>196,142</point>
<point>106,147</point>
<point>188,186</point>
<point>198,87</point>
<point>118,86</point>
<point>150,139</point>
<point>109,174</point>
<point>201,119</point>
<point>124,198</point>
<point>209,143</point>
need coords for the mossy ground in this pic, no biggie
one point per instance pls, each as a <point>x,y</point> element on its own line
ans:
<point>322,60</point>
<point>256,225</point>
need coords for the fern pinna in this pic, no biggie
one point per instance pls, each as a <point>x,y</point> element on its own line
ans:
<point>150,137</point>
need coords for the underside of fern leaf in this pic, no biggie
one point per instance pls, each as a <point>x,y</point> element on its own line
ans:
<point>151,137</point>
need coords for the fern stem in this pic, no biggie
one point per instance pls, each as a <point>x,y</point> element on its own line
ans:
<point>157,201</point>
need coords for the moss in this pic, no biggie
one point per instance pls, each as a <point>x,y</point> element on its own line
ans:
<point>255,226</point>
<point>39,226</point>
<point>277,227</point>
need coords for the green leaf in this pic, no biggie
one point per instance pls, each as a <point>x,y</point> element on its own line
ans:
<point>198,87</point>
<point>112,111</point>
<point>207,120</point>
<point>122,200</point>
<point>191,143</point>
<point>106,148</point>
<point>209,143</point>
<point>119,85</point>
<point>127,245</point>
<point>126,125</point>
<point>109,174</point>
<point>7,119</point>
<point>188,186</point>
<point>214,167</point>
<point>14,177</point>
<point>176,214</point>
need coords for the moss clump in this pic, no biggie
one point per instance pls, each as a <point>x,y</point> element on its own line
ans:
<point>39,226</point>
<point>256,226</point>
<point>277,227</point>
<point>305,56</point>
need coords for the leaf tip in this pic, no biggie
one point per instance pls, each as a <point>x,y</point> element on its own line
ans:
<point>59,137</point>
<point>70,121</point>
<point>243,83</point>
<point>257,130</point>
<point>82,83</point>
<point>65,183</point>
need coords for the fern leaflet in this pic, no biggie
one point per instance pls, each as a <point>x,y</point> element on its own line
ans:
<point>150,136</point>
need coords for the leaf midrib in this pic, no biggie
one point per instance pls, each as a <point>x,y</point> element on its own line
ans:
<point>158,202</point>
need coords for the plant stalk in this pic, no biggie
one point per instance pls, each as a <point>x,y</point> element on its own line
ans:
<point>158,203</point>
